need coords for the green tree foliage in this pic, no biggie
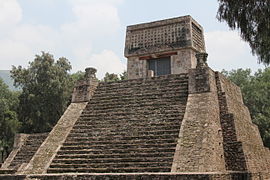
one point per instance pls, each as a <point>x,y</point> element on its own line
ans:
<point>79,75</point>
<point>46,88</point>
<point>9,123</point>
<point>252,18</point>
<point>123,76</point>
<point>111,77</point>
<point>256,93</point>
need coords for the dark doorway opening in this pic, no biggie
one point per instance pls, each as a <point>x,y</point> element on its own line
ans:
<point>160,66</point>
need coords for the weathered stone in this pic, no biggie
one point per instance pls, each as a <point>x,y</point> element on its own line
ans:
<point>190,124</point>
<point>84,89</point>
<point>177,38</point>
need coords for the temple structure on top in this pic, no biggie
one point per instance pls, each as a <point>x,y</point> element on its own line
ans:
<point>163,47</point>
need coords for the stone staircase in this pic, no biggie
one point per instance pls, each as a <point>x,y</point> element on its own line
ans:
<point>25,153</point>
<point>233,151</point>
<point>128,126</point>
<point>28,149</point>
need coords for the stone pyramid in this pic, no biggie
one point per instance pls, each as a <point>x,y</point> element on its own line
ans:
<point>174,118</point>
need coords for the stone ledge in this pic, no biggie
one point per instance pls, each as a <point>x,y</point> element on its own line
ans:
<point>132,176</point>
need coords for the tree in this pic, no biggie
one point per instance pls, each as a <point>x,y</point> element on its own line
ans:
<point>252,18</point>
<point>46,88</point>
<point>9,123</point>
<point>123,76</point>
<point>79,75</point>
<point>111,77</point>
<point>242,78</point>
<point>255,89</point>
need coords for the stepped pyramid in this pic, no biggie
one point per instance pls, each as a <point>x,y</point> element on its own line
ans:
<point>174,118</point>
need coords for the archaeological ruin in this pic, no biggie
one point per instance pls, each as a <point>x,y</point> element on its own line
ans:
<point>174,118</point>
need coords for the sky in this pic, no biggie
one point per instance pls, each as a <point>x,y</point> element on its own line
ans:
<point>91,33</point>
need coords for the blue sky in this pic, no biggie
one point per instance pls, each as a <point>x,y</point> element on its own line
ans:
<point>92,32</point>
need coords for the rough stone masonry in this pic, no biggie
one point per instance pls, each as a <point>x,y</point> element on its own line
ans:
<point>174,118</point>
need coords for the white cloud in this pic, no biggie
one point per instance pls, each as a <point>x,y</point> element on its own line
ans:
<point>227,51</point>
<point>23,42</point>
<point>10,13</point>
<point>14,53</point>
<point>37,37</point>
<point>106,61</point>
<point>93,21</point>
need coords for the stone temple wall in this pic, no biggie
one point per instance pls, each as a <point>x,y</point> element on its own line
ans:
<point>177,38</point>
<point>256,156</point>
<point>181,61</point>
<point>246,131</point>
<point>200,139</point>
<point>217,128</point>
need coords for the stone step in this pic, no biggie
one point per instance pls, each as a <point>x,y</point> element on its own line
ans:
<point>124,84</point>
<point>131,115</point>
<point>157,90</point>
<point>116,146</point>
<point>34,142</point>
<point>135,103</point>
<point>103,98</point>
<point>136,119</point>
<point>134,132</point>
<point>120,128</point>
<point>155,116</point>
<point>148,107</point>
<point>108,170</point>
<point>104,123</point>
<point>115,155</point>
<point>142,94</point>
<point>114,151</point>
<point>7,171</point>
<point>137,141</point>
<point>28,148</point>
<point>113,165</point>
<point>102,138</point>
<point>31,145</point>
<point>26,152</point>
<point>147,82</point>
<point>136,108</point>
<point>112,160</point>
<point>143,84</point>
<point>33,137</point>
<point>20,160</point>
<point>22,156</point>
<point>131,111</point>
<point>142,91</point>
